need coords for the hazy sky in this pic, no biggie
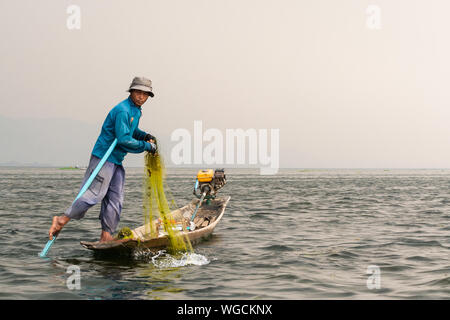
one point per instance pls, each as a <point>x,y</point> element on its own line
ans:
<point>343,95</point>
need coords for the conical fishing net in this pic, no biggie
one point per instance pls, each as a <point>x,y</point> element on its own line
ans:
<point>157,209</point>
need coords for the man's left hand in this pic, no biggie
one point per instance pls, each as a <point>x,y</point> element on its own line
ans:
<point>149,137</point>
<point>154,148</point>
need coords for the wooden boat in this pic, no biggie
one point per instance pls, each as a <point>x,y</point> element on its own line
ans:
<point>206,219</point>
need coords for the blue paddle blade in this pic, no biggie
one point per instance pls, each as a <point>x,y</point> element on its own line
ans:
<point>47,247</point>
<point>85,187</point>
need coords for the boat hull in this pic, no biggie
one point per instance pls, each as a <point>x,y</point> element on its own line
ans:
<point>212,213</point>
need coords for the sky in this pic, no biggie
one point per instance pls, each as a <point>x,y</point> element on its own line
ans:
<point>341,94</point>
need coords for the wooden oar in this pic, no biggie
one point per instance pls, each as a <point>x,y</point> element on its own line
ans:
<point>83,190</point>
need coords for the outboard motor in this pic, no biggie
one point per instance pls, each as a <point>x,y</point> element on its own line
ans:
<point>208,182</point>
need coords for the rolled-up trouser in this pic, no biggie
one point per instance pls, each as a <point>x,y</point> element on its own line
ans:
<point>107,187</point>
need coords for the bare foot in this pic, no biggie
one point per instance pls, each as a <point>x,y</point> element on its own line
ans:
<point>106,236</point>
<point>57,224</point>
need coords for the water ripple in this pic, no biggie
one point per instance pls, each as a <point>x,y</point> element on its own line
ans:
<point>302,234</point>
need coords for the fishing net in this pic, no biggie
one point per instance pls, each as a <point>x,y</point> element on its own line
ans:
<point>157,209</point>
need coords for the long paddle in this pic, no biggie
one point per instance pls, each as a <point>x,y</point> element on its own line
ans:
<point>83,190</point>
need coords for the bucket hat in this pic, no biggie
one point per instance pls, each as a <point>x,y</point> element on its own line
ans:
<point>143,84</point>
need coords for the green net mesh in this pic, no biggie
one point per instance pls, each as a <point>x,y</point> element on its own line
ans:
<point>157,208</point>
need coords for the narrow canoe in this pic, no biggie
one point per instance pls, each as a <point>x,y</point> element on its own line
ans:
<point>206,219</point>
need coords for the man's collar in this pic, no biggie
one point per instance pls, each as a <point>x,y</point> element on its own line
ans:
<point>132,103</point>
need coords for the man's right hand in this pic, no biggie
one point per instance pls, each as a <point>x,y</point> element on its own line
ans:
<point>154,148</point>
<point>149,138</point>
<point>57,224</point>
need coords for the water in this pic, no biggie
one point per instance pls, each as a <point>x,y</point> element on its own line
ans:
<point>301,234</point>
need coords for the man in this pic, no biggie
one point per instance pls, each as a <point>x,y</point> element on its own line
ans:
<point>121,123</point>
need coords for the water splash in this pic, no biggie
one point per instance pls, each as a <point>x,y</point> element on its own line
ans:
<point>164,260</point>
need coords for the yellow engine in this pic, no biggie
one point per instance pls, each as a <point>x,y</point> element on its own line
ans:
<point>208,182</point>
<point>205,175</point>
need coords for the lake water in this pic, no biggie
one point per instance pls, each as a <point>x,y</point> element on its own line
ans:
<point>300,234</point>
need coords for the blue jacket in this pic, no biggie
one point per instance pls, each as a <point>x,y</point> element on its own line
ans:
<point>121,123</point>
